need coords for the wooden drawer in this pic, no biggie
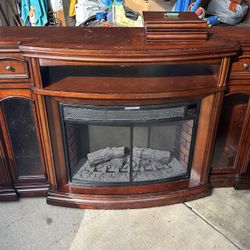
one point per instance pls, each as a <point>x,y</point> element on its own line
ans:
<point>11,68</point>
<point>241,68</point>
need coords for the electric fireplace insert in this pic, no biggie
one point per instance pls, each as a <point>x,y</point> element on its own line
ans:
<point>128,145</point>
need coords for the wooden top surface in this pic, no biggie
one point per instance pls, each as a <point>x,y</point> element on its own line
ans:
<point>153,16</point>
<point>127,43</point>
<point>236,33</point>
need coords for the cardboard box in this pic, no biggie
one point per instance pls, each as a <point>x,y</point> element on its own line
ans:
<point>150,5</point>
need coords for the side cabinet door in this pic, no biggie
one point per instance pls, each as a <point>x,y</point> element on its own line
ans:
<point>232,141</point>
<point>23,146</point>
<point>7,190</point>
<point>231,124</point>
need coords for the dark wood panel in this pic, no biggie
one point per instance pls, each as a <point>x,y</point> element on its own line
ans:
<point>233,115</point>
<point>241,68</point>
<point>7,190</point>
<point>28,182</point>
<point>132,85</point>
<point>13,68</point>
<point>125,202</point>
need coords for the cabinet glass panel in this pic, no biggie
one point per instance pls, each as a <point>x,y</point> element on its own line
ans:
<point>229,130</point>
<point>22,132</point>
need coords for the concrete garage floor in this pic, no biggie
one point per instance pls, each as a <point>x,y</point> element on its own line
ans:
<point>221,221</point>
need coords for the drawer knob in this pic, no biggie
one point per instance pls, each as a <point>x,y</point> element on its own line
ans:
<point>9,68</point>
<point>246,66</point>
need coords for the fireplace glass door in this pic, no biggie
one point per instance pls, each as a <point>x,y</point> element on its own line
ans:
<point>120,145</point>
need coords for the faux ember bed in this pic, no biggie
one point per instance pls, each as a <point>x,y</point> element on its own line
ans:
<point>112,164</point>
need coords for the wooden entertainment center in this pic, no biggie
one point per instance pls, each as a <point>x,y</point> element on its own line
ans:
<point>64,90</point>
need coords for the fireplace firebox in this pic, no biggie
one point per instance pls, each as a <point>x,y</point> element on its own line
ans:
<point>128,145</point>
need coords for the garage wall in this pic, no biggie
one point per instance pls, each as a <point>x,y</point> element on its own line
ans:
<point>6,17</point>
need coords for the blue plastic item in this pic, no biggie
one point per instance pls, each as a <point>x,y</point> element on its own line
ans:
<point>107,3</point>
<point>212,20</point>
<point>178,6</point>
<point>195,6</point>
<point>118,2</point>
<point>100,15</point>
<point>182,5</point>
<point>185,5</point>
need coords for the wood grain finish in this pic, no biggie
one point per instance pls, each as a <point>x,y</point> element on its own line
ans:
<point>66,193</point>
<point>241,67</point>
<point>121,46</point>
<point>236,173</point>
<point>242,163</point>
<point>7,191</point>
<point>13,68</point>
<point>236,131</point>
<point>46,142</point>
<point>125,202</point>
<point>184,27</point>
<point>32,185</point>
<point>14,71</point>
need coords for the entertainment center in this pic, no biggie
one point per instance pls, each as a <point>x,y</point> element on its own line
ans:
<point>103,118</point>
